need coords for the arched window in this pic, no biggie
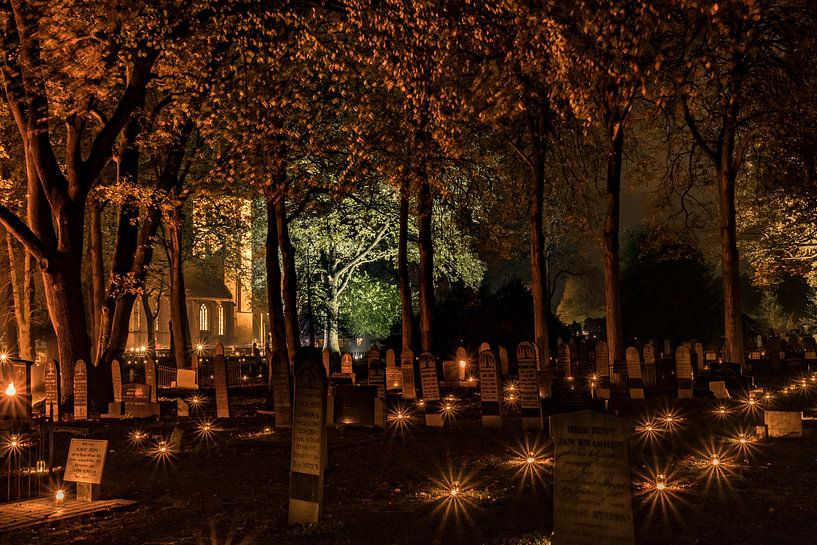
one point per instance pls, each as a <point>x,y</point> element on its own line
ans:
<point>220,319</point>
<point>204,318</point>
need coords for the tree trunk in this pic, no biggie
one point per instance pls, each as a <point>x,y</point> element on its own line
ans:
<point>331,340</point>
<point>538,272</point>
<point>8,320</point>
<point>425,286</point>
<point>615,335</point>
<point>275,305</point>
<point>97,269</point>
<point>150,322</point>
<point>406,313</point>
<point>289,287</point>
<point>22,292</point>
<point>180,325</point>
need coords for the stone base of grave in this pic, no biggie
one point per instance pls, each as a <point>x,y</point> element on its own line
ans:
<point>784,424</point>
<point>491,421</point>
<point>303,512</point>
<point>119,409</point>
<point>88,492</point>
<point>434,420</point>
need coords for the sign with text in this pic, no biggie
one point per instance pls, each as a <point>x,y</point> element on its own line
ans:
<point>489,384</point>
<point>592,492</point>
<point>86,461</point>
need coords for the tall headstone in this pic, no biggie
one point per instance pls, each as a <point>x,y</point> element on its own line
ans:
<point>650,375</point>
<point>564,359</point>
<point>372,359</point>
<point>528,387</point>
<point>150,379</point>
<point>699,356</point>
<point>80,391</point>
<point>391,360</point>
<point>504,362</point>
<point>220,382</point>
<point>326,357</point>
<point>407,372</point>
<point>309,451</point>
<point>603,369</point>
<point>346,364</point>
<point>483,347</point>
<point>51,378</point>
<point>116,379</point>
<point>394,378</point>
<point>634,381</point>
<point>490,393</point>
<point>683,372</point>
<point>281,390</point>
<point>593,488</point>
<point>430,384</point>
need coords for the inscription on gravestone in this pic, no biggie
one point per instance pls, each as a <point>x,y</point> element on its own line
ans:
<point>430,385</point>
<point>489,384</point>
<point>683,372</point>
<point>699,355</point>
<point>116,379</point>
<point>51,378</point>
<point>86,461</point>
<point>407,372</point>
<point>80,391</point>
<point>346,364</point>
<point>634,373</point>
<point>592,490</point>
<point>220,382</point>
<point>281,390</point>
<point>528,386</point>
<point>308,440</point>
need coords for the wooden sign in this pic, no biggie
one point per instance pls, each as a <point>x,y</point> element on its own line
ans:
<point>326,358</point>
<point>150,379</point>
<point>220,382</point>
<point>489,387</point>
<point>51,378</point>
<point>429,382</point>
<point>80,391</point>
<point>346,364</point>
<point>281,391</point>
<point>504,362</point>
<point>528,386</point>
<point>563,351</point>
<point>407,372</point>
<point>593,488</point>
<point>308,439</point>
<point>634,381</point>
<point>683,372</point>
<point>86,461</point>
<point>116,379</point>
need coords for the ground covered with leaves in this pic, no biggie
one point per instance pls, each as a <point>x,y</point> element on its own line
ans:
<point>229,484</point>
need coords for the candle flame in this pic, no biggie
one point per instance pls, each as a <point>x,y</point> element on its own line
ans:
<point>11,390</point>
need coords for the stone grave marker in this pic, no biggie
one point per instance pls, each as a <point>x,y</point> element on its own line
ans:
<point>504,362</point>
<point>593,488</point>
<point>718,388</point>
<point>220,382</point>
<point>346,364</point>
<point>490,390</point>
<point>309,450</point>
<point>603,369</point>
<point>186,379</point>
<point>281,390</point>
<point>683,372</point>
<point>483,347</point>
<point>699,356</point>
<point>150,379</point>
<point>429,382</point>
<point>326,357</point>
<point>80,391</point>
<point>407,374</point>
<point>356,406</point>
<point>634,373</point>
<point>650,374</point>
<point>51,379</point>
<point>563,351</point>
<point>759,342</point>
<point>528,387</point>
<point>182,408</point>
<point>372,359</point>
<point>136,401</point>
<point>116,379</point>
<point>784,424</point>
<point>394,377</point>
<point>451,371</point>
<point>377,377</point>
<point>85,466</point>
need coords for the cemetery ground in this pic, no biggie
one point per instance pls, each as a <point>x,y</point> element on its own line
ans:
<point>460,484</point>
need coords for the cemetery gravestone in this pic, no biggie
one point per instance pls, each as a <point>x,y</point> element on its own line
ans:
<point>80,391</point>
<point>592,491</point>
<point>220,382</point>
<point>51,378</point>
<point>355,405</point>
<point>528,386</point>
<point>394,378</point>
<point>407,371</point>
<point>683,372</point>
<point>116,379</point>
<point>136,401</point>
<point>603,369</point>
<point>699,356</point>
<point>85,465</point>
<point>650,375</point>
<point>784,424</point>
<point>150,379</point>
<point>483,347</point>
<point>504,362</point>
<point>564,359</point>
<point>308,440</point>
<point>281,391</point>
<point>634,373</point>
<point>431,390</point>
<point>372,360</point>
<point>451,371</point>
<point>182,408</point>
<point>489,384</point>
<point>346,364</point>
<point>186,379</point>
